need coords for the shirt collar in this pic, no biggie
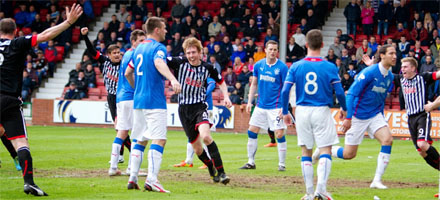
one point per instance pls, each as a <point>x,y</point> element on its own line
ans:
<point>382,70</point>
<point>272,64</point>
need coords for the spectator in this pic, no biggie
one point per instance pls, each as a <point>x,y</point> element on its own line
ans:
<point>250,49</point>
<point>81,84</point>
<point>270,36</point>
<point>195,15</point>
<point>40,62</point>
<point>177,26</point>
<point>419,53</point>
<point>231,29</point>
<point>341,68</point>
<point>404,46</point>
<point>176,44</point>
<point>347,81</point>
<point>223,32</point>
<point>293,51</point>
<point>211,44</point>
<point>351,48</point>
<point>202,30</point>
<point>169,50</point>
<point>88,9</point>
<point>30,16</point>
<point>303,26</point>
<point>419,33</point>
<point>427,53</point>
<point>351,71</point>
<point>205,54</point>
<point>240,11</point>
<point>178,10</point>
<point>402,14</point>
<point>32,74</point>
<point>213,62</point>
<point>261,20</point>
<point>300,11</point>
<point>226,46</point>
<point>337,47</point>
<point>27,87</point>
<point>240,53</point>
<point>343,38</point>
<point>415,20</point>
<point>113,25</point>
<point>54,14</point>
<point>428,23</point>
<point>228,6</point>
<point>429,66</point>
<point>373,45</point>
<point>236,43</point>
<point>260,54</point>
<point>345,58</point>
<point>300,38</point>
<point>362,50</point>
<point>113,39</point>
<point>236,93</point>
<point>243,77</point>
<point>432,37</point>
<point>401,31</point>
<point>222,16</point>
<point>207,19</point>
<point>187,25</point>
<point>312,21</point>
<point>21,16</point>
<point>90,76</point>
<point>129,21</point>
<point>250,64</point>
<point>73,74</point>
<point>85,61</point>
<point>139,11</point>
<point>106,31</point>
<point>435,48</point>
<point>331,57</point>
<point>122,32</point>
<point>220,56</point>
<point>274,12</point>
<point>244,20</point>
<point>385,15</point>
<point>72,92</point>
<point>251,32</point>
<point>50,54</point>
<point>352,13</point>
<point>214,27</point>
<point>367,19</point>
<point>122,14</point>
<point>237,65</point>
<point>230,77</point>
<point>37,25</point>
<point>188,9</point>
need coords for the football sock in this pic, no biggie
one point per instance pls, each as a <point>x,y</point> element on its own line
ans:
<point>206,150</point>
<point>432,157</point>
<point>154,160</point>
<point>136,160</point>
<point>382,162</point>
<point>127,143</point>
<point>323,171</point>
<point>116,147</point>
<point>25,159</point>
<point>189,153</point>
<point>252,146</point>
<point>216,158</point>
<point>282,149</point>
<point>307,172</point>
<point>338,152</point>
<point>129,157</point>
<point>9,147</point>
<point>271,135</point>
<point>208,162</point>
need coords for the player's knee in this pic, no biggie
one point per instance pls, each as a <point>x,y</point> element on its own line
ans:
<point>280,134</point>
<point>207,139</point>
<point>349,155</point>
<point>423,145</point>
<point>387,141</point>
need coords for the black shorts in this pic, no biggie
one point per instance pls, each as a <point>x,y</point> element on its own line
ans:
<point>111,100</point>
<point>11,117</point>
<point>420,128</point>
<point>192,116</point>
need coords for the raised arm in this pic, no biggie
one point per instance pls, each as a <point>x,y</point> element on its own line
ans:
<point>72,15</point>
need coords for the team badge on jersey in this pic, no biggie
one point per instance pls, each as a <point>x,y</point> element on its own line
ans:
<point>277,71</point>
<point>160,54</point>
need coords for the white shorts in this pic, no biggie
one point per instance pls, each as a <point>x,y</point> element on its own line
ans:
<point>355,134</point>
<point>124,111</point>
<point>149,124</point>
<point>267,118</point>
<point>315,125</point>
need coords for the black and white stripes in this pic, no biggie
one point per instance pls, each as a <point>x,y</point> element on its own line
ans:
<point>414,93</point>
<point>110,72</point>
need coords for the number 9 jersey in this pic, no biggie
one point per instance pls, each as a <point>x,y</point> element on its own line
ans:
<point>149,83</point>
<point>314,79</point>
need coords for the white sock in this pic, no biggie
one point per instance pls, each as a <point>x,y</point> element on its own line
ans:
<point>136,160</point>
<point>335,150</point>
<point>252,149</point>
<point>323,171</point>
<point>307,172</point>
<point>382,162</point>
<point>116,147</point>
<point>189,153</point>
<point>282,149</point>
<point>129,155</point>
<point>154,161</point>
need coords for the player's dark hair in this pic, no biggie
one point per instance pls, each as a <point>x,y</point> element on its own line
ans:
<point>153,23</point>
<point>314,39</point>
<point>112,47</point>
<point>382,50</point>
<point>135,34</point>
<point>7,26</point>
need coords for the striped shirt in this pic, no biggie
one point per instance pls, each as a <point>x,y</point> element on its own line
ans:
<point>414,91</point>
<point>192,79</point>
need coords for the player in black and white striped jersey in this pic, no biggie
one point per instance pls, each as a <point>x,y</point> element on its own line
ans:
<point>192,72</point>
<point>415,94</point>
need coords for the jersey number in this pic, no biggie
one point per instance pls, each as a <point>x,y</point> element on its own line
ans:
<point>138,67</point>
<point>311,81</point>
<point>2,58</point>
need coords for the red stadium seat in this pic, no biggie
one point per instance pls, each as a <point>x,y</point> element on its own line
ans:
<point>26,30</point>
<point>97,72</point>
<point>75,39</point>
<point>99,82</point>
<point>60,53</point>
<point>138,24</point>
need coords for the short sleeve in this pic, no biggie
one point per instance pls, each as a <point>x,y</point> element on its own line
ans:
<point>334,76</point>
<point>429,77</point>
<point>26,42</point>
<point>256,68</point>
<point>213,73</point>
<point>160,53</point>
<point>174,62</point>
<point>290,78</point>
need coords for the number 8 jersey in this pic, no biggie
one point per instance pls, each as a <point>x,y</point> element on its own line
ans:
<point>149,83</point>
<point>314,79</point>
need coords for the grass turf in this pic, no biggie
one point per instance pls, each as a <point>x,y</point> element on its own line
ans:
<point>72,163</point>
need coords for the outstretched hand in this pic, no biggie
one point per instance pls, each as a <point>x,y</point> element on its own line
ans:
<point>73,13</point>
<point>367,60</point>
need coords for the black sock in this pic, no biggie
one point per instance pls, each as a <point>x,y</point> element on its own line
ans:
<point>25,158</point>
<point>9,147</point>
<point>127,143</point>
<point>432,158</point>
<point>208,162</point>
<point>216,158</point>
<point>121,151</point>
<point>271,135</point>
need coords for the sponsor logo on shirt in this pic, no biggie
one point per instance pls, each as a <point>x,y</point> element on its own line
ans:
<point>267,78</point>
<point>379,89</point>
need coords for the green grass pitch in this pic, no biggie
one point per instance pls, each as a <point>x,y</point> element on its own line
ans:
<point>72,163</point>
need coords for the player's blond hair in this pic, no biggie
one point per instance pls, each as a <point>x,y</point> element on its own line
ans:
<point>412,61</point>
<point>192,42</point>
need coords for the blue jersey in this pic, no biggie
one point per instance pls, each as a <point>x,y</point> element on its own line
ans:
<point>211,86</point>
<point>366,97</point>
<point>270,82</point>
<point>149,83</point>
<point>314,79</point>
<point>124,91</point>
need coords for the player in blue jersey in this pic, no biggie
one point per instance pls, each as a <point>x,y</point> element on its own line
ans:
<point>188,162</point>
<point>150,115</point>
<point>315,80</point>
<point>365,107</point>
<point>269,74</point>
<point>124,105</point>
